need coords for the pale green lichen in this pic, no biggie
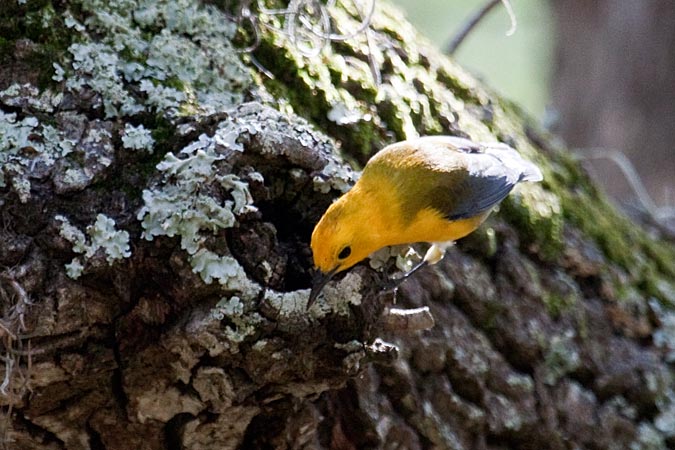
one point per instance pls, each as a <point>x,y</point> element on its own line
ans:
<point>561,358</point>
<point>95,66</point>
<point>196,200</point>
<point>227,307</point>
<point>338,296</point>
<point>291,307</point>
<point>335,176</point>
<point>27,146</point>
<point>225,269</point>
<point>28,96</point>
<point>648,438</point>
<point>241,325</point>
<point>102,235</point>
<point>189,65</point>
<point>137,138</point>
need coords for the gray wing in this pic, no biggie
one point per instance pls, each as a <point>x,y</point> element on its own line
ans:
<point>461,179</point>
<point>488,174</point>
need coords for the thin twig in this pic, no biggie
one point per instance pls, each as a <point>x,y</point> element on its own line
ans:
<point>657,213</point>
<point>470,24</point>
<point>307,24</point>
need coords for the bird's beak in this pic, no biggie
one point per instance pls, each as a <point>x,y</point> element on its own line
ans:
<point>319,280</point>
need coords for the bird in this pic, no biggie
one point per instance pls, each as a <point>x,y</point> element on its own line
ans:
<point>434,189</point>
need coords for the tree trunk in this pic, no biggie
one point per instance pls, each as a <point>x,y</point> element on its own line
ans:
<point>157,202</point>
<point>614,88</point>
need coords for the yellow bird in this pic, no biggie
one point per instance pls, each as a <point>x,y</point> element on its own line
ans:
<point>433,189</point>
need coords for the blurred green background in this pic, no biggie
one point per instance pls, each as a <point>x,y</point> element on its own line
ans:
<point>518,66</point>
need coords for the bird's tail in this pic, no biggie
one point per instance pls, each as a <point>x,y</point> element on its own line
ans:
<point>512,159</point>
<point>530,172</point>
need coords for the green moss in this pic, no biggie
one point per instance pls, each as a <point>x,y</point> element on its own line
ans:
<point>290,80</point>
<point>617,238</point>
<point>538,213</point>
<point>557,304</point>
<point>174,82</point>
<point>448,77</point>
<point>38,22</point>
<point>162,131</point>
<point>5,48</point>
<point>307,88</point>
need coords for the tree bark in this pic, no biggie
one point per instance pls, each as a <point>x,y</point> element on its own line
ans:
<point>157,202</point>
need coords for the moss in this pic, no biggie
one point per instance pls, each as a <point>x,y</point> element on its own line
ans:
<point>6,47</point>
<point>538,213</point>
<point>557,304</point>
<point>309,91</point>
<point>448,77</point>
<point>38,22</point>
<point>175,83</point>
<point>616,237</point>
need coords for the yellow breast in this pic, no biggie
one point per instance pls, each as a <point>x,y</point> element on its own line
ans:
<point>430,226</point>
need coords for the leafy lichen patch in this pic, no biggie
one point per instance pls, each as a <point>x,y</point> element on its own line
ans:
<point>137,138</point>
<point>197,198</point>
<point>101,235</point>
<point>171,56</point>
<point>241,325</point>
<point>29,147</point>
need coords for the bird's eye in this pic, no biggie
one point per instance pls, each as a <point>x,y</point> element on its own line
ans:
<point>345,252</point>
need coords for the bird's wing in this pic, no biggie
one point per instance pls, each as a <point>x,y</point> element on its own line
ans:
<point>471,178</point>
<point>454,176</point>
<point>467,194</point>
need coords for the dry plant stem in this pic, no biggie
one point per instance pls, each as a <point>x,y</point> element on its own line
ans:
<point>659,214</point>
<point>470,24</point>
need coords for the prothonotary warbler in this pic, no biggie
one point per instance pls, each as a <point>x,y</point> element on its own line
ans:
<point>433,189</point>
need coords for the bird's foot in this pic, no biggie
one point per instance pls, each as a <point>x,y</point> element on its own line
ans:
<point>393,283</point>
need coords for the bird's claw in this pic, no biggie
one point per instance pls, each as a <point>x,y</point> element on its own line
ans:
<point>392,283</point>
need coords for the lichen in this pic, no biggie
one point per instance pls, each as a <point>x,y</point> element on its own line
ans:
<point>648,438</point>
<point>338,296</point>
<point>561,358</point>
<point>137,138</point>
<point>288,306</point>
<point>334,176</point>
<point>240,324</point>
<point>102,235</point>
<point>28,146</point>
<point>188,66</point>
<point>196,199</point>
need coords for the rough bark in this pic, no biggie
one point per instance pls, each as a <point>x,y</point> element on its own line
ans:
<point>154,290</point>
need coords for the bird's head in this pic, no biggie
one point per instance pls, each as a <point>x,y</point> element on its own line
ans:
<point>340,240</point>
